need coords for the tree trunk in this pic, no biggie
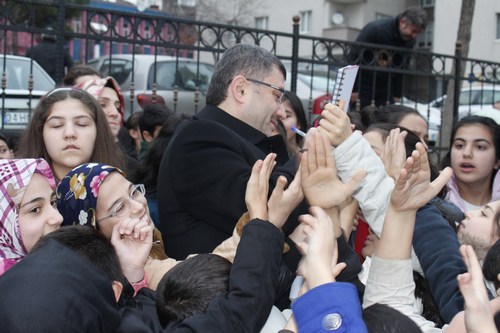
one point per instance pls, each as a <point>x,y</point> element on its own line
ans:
<point>450,113</point>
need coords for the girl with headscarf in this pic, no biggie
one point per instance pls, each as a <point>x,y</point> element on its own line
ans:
<point>98,195</point>
<point>27,207</point>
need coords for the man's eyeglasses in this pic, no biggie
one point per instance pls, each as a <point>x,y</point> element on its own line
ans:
<point>281,90</point>
<point>122,207</point>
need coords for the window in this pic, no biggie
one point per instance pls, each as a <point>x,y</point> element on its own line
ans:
<point>262,22</point>
<point>498,26</point>
<point>426,38</point>
<point>427,3</point>
<point>305,21</point>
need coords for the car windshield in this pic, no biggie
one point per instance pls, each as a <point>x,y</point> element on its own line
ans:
<point>187,77</point>
<point>17,74</point>
<point>119,69</point>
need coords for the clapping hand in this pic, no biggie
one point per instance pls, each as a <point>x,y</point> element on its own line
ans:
<point>413,188</point>
<point>320,183</point>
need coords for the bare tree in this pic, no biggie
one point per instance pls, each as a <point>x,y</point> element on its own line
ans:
<point>463,39</point>
<point>236,12</point>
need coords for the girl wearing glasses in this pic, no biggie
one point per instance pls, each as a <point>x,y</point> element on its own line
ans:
<point>27,207</point>
<point>69,128</point>
<point>98,195</point>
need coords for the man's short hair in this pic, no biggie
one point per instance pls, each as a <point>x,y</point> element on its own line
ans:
<point>153,115</point>
<point>187,289</point>
<point>415,16</point>
<point>77,71</point>
<point>90,244</point>
<point>241,59</point>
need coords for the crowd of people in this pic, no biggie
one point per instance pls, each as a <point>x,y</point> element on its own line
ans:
<point>229,221</point>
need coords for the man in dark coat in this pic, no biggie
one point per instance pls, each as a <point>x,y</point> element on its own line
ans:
<point>46,55</point>
<point>205,169</point>
<point>400,31</point>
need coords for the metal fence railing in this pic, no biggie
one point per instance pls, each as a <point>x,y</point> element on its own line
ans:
<point>96,33</point>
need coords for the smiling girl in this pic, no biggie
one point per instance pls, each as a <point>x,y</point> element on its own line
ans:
<point>474,157</point>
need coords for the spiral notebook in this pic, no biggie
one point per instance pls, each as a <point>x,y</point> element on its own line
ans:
<point>343,85</point>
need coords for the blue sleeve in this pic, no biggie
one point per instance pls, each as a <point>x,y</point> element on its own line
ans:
<point>437,248</point>
<point>331,306</point>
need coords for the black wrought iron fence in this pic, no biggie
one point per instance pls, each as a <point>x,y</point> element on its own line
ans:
<point>156,55</point>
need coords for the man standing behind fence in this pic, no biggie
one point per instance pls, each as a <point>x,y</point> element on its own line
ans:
<point>46,54</point>
<point>206,167</point>
<point>401,31</point>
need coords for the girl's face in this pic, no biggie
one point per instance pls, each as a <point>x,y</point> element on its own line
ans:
<point>38,214</point>
<point>5,152</point>
<point>473,155</point>
<point>110,104</point>
<point>69,135</point>
<point>290,121</point>
<point>417,125</point>
<point>480,227</point>
<point>118,201</point>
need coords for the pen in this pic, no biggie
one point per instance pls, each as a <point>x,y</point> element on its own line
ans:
<point>299,132</point>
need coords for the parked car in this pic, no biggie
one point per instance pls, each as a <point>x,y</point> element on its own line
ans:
<point>18,104</point>
<point>186,73</point>
<point>472,101</point>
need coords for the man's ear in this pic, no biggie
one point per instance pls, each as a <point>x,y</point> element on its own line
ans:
<point>147,136</point>
<point>239,88</point>
<point>117,288</point>
<point>134,134</point>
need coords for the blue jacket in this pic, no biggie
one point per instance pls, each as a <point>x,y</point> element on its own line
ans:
<point>330,307</point>
<point>437,248</point>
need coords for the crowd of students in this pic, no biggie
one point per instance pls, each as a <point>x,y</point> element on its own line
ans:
<point>230,221</point>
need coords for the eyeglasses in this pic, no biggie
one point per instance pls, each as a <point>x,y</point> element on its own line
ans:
<point>281,90</point>
<point>122,207</point>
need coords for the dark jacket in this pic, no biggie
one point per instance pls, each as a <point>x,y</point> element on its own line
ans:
<point>384,32</point>
<point>56,290</point>
<point>45,54</point>
<point>252,284</point>
<point>203,177</point>
<point>437,248</point>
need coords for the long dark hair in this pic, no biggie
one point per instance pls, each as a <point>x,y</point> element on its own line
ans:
<point>298,109</point>
<point>32,145</point>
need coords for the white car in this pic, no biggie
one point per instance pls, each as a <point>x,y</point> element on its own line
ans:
<point>185,73</point>
<point>472,101</point>
<point>17,104</point>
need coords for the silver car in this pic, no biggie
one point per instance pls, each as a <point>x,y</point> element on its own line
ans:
<point>185,73</point>
<point>17,104</point>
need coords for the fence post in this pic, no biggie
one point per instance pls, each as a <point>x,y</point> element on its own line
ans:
<point>458,84</point>
<point>295,52</point>
<point>60,40</point>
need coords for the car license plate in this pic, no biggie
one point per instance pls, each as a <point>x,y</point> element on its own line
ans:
<point>12,118</point>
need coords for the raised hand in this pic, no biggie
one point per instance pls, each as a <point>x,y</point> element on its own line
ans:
<point>320,183</point>
<point>478,309</point>
<point>335,124</point>
<point>258,187</point>
<point>394,153</point>
<point>319,264</point>
<point>282,202</point>
<point>133,247</point>
<point>413,188</point>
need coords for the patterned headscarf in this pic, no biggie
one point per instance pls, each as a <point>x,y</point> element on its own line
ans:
<point>78,191</point>
<point>95,87</point>
<point>15,175</point>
